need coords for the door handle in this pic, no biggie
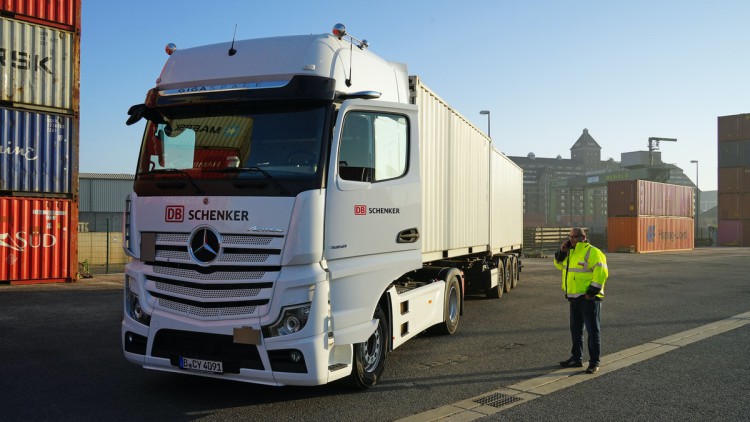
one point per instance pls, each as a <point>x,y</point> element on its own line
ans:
<point>408,236</point>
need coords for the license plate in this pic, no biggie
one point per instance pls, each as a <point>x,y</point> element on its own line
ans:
<point>201,365</point>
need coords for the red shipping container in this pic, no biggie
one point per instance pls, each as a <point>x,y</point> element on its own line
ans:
<point>734,180</point>
<point>35,240</point>
<point>62,14</point>
<point>650,234</point>
<point>733,233</point>
<point>631,198</point>
<point>734,128</point>
<point>734,206</point>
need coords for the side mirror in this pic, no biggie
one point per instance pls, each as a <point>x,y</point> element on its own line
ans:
<point>136,113</point>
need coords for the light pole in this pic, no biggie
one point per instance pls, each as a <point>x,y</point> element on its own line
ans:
<point>487,112</point>
<point>697,200</point>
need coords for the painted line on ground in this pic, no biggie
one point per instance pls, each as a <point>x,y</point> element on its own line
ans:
<point>524,391</point>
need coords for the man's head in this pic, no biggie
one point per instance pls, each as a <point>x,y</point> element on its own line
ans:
<point>577,234</point>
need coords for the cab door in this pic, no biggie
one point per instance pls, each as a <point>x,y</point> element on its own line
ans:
<point>373,198</point>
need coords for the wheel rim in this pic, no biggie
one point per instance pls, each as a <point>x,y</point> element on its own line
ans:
<point>453,305</point>
<point>372,351</point>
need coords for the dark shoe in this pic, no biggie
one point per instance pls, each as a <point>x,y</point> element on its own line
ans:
<point>592,369</point>
<point>571,363</point>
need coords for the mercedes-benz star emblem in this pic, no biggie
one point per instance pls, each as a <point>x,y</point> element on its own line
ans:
<point>205,245</point>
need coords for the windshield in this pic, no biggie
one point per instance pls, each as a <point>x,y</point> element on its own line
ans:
<point>267,145</point>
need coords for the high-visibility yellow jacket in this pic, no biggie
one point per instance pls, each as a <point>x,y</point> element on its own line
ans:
<point>584,271</point>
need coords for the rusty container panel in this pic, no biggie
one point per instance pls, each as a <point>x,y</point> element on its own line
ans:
<point>631,198</point>
<point>62,14</point>
<point>734,206</point>
<point>734,180</point>
<point>35,240</point>
<point>37,67</point>
<point>734,154</point>
<point>734,128</point>
<point>645,234</point>
<point>35,152</point>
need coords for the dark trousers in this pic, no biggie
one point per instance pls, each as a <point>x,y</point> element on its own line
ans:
<point>586,313</point>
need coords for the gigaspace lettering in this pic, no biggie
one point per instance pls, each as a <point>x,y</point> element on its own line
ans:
<point>23,240</point>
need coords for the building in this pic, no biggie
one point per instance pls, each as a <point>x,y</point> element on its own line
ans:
<point>573,191</point>
<point>102,201</point>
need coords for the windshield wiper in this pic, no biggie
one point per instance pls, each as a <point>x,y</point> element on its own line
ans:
<point>174,171</point>
<point>254,169</point>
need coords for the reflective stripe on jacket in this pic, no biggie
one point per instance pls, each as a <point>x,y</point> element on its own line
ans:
<point>586,271</point>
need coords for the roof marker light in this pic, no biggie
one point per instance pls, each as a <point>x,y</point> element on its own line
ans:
<point>339,30</point>
<point>170,48</point>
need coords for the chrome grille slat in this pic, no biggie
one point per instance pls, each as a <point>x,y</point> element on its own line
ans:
<point>206,294</point>
<point>234,257</point>
<point>215,276</point>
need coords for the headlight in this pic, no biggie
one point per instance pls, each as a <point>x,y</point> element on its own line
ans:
<point>133,305</point>
<point>293,319</point>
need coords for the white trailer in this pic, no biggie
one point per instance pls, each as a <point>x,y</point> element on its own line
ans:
<point>303,207</point>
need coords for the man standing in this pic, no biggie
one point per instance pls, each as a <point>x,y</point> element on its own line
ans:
<point>584,272</point>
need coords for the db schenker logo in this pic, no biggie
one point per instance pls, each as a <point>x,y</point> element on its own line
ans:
<point>174,214</point>
<point>360,210</point>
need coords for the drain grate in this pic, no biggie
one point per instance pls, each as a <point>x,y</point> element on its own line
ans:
<point>497,400</point>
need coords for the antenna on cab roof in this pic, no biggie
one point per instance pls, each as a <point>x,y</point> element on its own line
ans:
<point>232,51</point>
<point>339,31</point>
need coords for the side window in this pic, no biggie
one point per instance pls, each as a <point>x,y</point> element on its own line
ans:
<point>374,147</point>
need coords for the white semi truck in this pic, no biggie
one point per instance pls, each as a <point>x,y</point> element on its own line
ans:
<point>301,208</point>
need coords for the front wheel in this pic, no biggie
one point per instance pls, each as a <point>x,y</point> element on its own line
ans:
<point>369,356</point>
<point>452,310</point>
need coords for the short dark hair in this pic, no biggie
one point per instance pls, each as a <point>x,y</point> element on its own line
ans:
<point>579,231</point>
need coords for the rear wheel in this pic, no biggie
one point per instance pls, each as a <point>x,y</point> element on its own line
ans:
<point>515,276</point>
<point>497,291</point>
<point>452,310</point>
<point>508,279</point>
<point>369,356</point>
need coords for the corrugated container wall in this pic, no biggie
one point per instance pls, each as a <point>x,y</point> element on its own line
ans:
<point>506,211</point>
<point>35,240</point>
<point>631,198</point>
<point>734,180</point>
<point>733,233</point>
<point>734,154</point>
<point>62,14</point>
<point>650,234</point>
<point>455,171</point>
<point>35,152</point>
<point>38,65</point>
<point>734,128</point>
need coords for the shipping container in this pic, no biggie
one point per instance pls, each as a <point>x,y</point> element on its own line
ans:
<point>455,218</point>
<point>61,14</point>
<point>38,65</point>
<point>734,233</point>
<point>650,234</point>
<point>734,128</point>
<point>734,180</point>
<point>734,154</point>
<point>631,198</point>
<point>35,240</point>
<point>35,152</point>
<point>734,206</point>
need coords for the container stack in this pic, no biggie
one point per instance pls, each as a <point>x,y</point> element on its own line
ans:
<point>648,216</point>
<point>39,116</point>
<point>734,180</point>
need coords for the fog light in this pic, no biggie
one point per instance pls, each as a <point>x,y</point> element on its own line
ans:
<point>295,356</point>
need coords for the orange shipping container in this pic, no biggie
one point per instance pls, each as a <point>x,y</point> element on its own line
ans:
<point>650,234</point>
<point>62,14</point>
<point>35,240</point>
<point>630,198</point>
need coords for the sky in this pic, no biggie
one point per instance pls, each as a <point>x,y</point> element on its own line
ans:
<point>545,69</point>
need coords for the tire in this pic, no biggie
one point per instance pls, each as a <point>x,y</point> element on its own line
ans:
<point>508,279</point>
<point>369,356</point>
<point>515,275</point>
<point>452,310</point>
<point>497,291</point>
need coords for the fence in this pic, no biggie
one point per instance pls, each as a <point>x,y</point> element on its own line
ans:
<point>539,240</point>
<point>101,252</point>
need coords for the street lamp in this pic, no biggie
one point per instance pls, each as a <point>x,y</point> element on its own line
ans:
<point>487,112</point>
<point>697,199</point>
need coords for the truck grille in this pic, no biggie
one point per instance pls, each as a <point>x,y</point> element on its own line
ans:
<point>238,284</point>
